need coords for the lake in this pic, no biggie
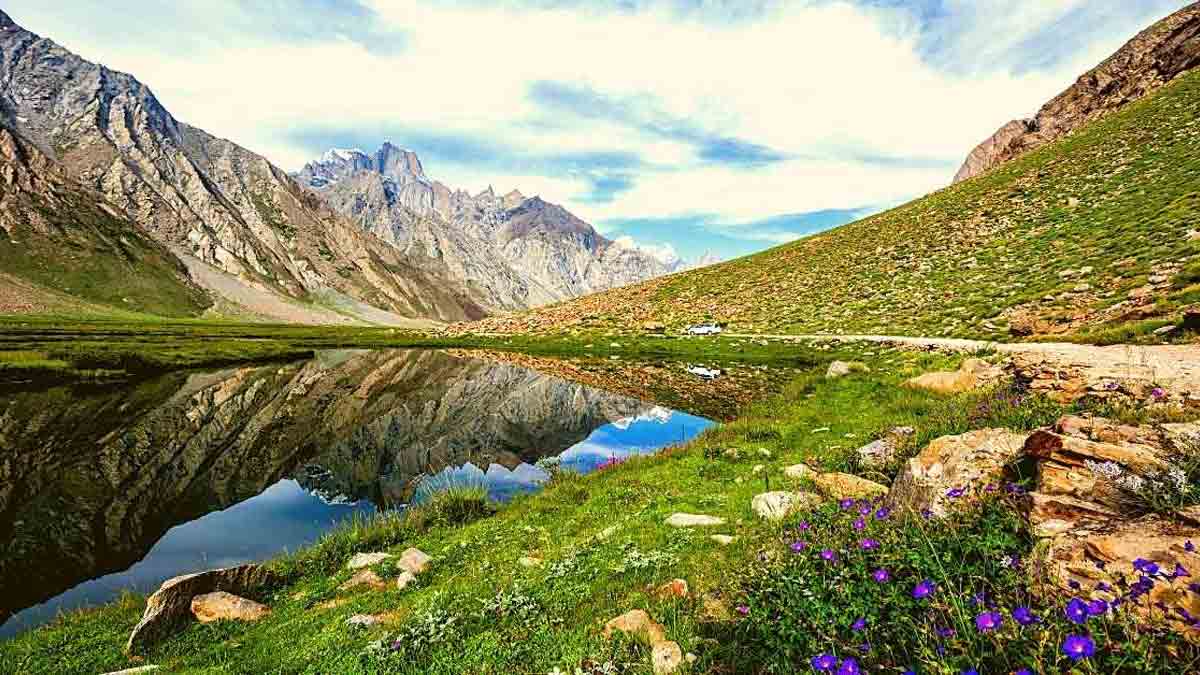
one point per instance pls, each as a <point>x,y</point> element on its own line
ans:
<point>114,487</point>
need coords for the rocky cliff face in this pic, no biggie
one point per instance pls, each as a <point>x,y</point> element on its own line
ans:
<point>526,251</point>
<point>204,196</point>
<point>1149,61</point>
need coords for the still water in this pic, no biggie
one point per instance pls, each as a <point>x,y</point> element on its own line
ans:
<point>115,487</point>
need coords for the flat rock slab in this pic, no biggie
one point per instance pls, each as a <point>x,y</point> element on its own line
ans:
<point>843,485</point>
<point>404,580</point>
<point>361,560</point>
<point>778,505</point>
<point>364,577</point>
<point>134,671</point>
<point>414,560</point>
<point>638,625</point>
<point>364,621</point>
<point>170,607</point>
<point>799,471</point>
<point>693,520</point>
<point>222,606</point>
<point>723,539</point>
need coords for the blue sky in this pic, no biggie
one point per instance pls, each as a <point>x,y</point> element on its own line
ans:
<point>684,125</point>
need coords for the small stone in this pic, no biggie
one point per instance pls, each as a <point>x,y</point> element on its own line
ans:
<point>414,560</point>
<point>404,580</point>
<point>364,577</point>
<point>363,621</point>
<point>844,485</point>
<point>758,468</point>
<point>529,561</point>
<point>763,452</point>
<point>693,520</point>
<point>638,625</point>
<point>723,539</point>
<point>361,560</point>
<point>844,368</point>
<point>666,658</point>
<point>777,505</point>
<point>222,606</point>
<point>798,471</point>
<point>676,588</point>
<point>135,671</point>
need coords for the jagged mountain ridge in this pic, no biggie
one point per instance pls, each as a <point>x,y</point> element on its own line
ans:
<point>529,251</point>
<point>1150,60</point>
<point>207,197</point>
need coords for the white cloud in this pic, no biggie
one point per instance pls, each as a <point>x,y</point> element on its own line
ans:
<point>830,84</point>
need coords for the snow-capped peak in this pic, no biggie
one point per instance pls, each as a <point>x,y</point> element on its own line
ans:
<point>343,154</point>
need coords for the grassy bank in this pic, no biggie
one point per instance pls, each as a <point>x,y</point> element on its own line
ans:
<point>603,547</point>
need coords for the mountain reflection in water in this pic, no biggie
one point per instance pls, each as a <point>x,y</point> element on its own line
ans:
<point>106,488</point>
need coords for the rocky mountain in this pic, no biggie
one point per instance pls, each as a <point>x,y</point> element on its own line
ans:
<point>208,199</point>
<point>1150,60</point>
<point>526,251</point>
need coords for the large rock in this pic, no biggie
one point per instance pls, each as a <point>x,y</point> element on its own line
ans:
<point>666,657</point>
<point>361,560</point>
<point>843,485</point>
<point>414,560</point>
<point>170,607</point>
<point>637,624</point>
<point>968,461</point>
<point>972,374</point>
<point>844,368</point>
<point>222,606</point>
<point>882,452</point>
<point>693,520</point>
<point>1150,60</point>
<point>778,505</point>
<point>364,577</point>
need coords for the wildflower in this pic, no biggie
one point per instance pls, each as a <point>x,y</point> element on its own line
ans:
<point>824,663</point>
<point>1073,584</point>
<point>1078,647</point>
<point>798,546</point>
<point>860,524</point>
<point>1158,393</point>
<point>881,575</point>
<point>858,625</point>
<point>849,667</point>
<point>743,610</point>
<point>1146,567</point>
<point>869,544</point>
<point>864,510</point>
<point>803,526</point>
<point>924,589</point>
<point>829,555</point>
<point>955,493</point>
<point>926,514</point>
<point>1195,588</point>
<point>1023,671</point>
<point>970,671</point>
<point>865,647</point>
<point>1111,386</point>
<point>1024,616</point>
<point>946,633</point>
<point>1076,610</point>
<point>1180,571</point>
<point>846,504</point>
<point>1103,587</point>
<point>1097,607</point>
<point>883,513</point>
<point>988,621</point>
<point>1189,546</point>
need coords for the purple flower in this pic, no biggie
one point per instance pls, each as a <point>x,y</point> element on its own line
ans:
<point>955,493</point>
<point>1078,647</point>
<point>1103,587</point>
<point>743,610</point>
<point>988,621</point>
<point>1076,610</point>
<point>849,667</point>
<point>881,575</point>
<point>970,671</point>
<point>829,555</point>
<point>869,544</point>
<point>1097,607</point>
<point>1189,546</point>
<point>1180,571</point>
<point>803,526</point>
<point>924,589</point>
<point>1024,616</point>
<point>1145,567</point>
<point>1024,671</point>
<point>865,647</point>
<point>860,524</point>
<point>1158,393</point>
<point>798,546</point>
<point>883,513</point>
<point>824,663</point>
<point>926,514</point>
<point>864,510</point>
<point>1074,584</point>
<point>946,632</point>
<point>846,504</point>
<point>858,625</point>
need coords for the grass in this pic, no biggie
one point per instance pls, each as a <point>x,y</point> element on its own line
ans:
<point>604,547</point>
<point>1110,207</point>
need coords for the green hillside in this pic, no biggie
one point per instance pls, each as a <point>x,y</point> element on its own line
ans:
<point>1085,234</point>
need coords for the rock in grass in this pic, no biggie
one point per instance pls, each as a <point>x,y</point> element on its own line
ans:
<point>844,368</point>
<point>529,561</point>
<point>799,471</point>
<point>693,520</point>
<point>882,452</point>
<point>637,624</point>
<point>843,485</point>
<point>363,621</point>
<point>134,671</point>
<point>666,657</point>
<point>404,580</point>
<point>364,577</point>
<point>723,539</point>
<point>222,606</point>
<point>777,505</point>
<point>414,560</point>
<point>972,374</point>
<point>170,607</point>
<point>934,478</point>
<point>675,588</point>
<point>361,560</point>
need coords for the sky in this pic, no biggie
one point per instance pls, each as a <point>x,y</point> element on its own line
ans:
<point>681,126</point>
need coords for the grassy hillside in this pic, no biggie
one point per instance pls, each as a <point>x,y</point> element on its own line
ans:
<point>1052,243</point>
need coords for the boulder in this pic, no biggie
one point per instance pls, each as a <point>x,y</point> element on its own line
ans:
<point>881,452</point>
<point>972,374</point>
<point>666,657</point>
<point>638,625</point>
<point>404,580</point>
<point>364,621</point>
<point>693,520</point>
<point>843,485</point>
<point>361,560</point>
<point>844,368</point>
<point>656,327</point>
<point>222,606</point>
<point>723,539</point>
<point>799,471</point>
<point>170,607</point>
<point>967,461</point>
<point>778,505</point>
<point>364,577</point>
<point>414,560</point>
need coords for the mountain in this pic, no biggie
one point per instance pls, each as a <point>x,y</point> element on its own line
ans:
<point>526,251</point>
<point>242,225</point>
<point>1150,60</point>
<point>1097,233</point>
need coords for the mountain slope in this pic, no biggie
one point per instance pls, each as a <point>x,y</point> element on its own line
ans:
<point>1151,59</point>
<point>204,196</point>
<point>527,252</point>
<point>61,238</point>
<point>1096,229</point>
